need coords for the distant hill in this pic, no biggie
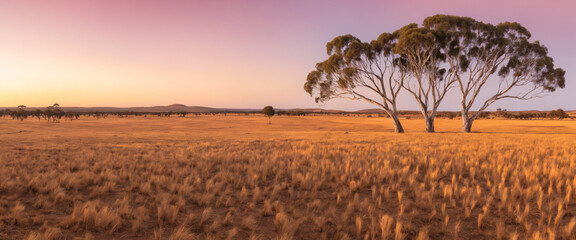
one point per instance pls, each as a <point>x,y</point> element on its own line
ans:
<point>313,110</point>
<point>174,108</point>
<point>380,111</point>
<point>371,110</point>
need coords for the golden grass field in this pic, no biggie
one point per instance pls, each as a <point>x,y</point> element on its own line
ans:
<point>236,177</point>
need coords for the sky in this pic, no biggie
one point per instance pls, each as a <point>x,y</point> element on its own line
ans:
<point>235,53</point>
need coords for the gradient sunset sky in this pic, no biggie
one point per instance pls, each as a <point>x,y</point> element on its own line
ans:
<point>236,53</point>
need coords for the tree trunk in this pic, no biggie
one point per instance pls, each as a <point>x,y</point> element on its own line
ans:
<point>428,118</point>
<point>397,125</point>
<point>269,122</point>
<point>466,121</point>
<point>430,124</point>
<point>466,124</point>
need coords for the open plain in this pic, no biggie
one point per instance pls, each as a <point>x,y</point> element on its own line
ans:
<point>313,177</point>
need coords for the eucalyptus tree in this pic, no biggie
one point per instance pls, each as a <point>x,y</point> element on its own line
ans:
<point>356,70</point>
<point>429,81</point>
<point>55,112</point>
<point>481,54</point>
<point>38,114</point>
<point>269,112</point>
<point>21,113</point>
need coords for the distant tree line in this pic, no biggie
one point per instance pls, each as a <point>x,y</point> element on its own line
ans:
<point>55,113</point>
<point>291,113</point>
<point>503,113</point>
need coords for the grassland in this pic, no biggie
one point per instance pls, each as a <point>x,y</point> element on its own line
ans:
<point>236,177</point>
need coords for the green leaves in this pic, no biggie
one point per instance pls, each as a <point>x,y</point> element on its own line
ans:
<point>311,81</point>
<point>338,44</point>
<point>412,38</point>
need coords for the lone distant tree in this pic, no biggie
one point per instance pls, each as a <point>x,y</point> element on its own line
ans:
<point>356,70</point>
<point>269,112</point>
<point>476,51</point>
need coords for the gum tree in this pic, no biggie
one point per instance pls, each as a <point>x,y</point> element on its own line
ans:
<point>55,112</point>
<point>21,113</point>
<point>269,112</point>
<point>356,70</point>
<point>429,82</point>
<point>481,54</point>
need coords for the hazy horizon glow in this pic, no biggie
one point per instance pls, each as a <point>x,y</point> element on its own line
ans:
<point>235,54</point>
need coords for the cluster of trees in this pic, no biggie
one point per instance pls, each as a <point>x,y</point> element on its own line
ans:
<point>52,113</point>
<point>559,114</point>
<point>445,53</point>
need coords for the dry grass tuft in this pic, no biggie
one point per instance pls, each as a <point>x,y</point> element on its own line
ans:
<point>182,233</point>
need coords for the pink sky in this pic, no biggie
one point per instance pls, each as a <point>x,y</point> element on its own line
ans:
<point>244,54</point>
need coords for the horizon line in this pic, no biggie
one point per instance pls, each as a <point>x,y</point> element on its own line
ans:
<point>281,108</point>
